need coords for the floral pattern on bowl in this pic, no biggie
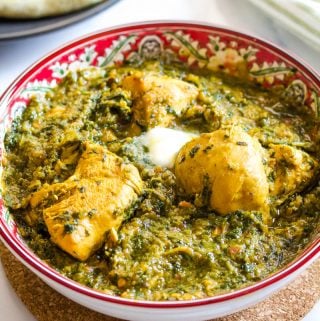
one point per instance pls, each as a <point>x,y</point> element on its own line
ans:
<point>195,45</point>
<point>216,51</point>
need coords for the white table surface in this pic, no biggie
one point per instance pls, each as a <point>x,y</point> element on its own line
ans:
<point>16,55</point>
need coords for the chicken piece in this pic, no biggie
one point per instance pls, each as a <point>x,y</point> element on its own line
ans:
<point>158,99</point>
<point>81,210</point>
<point>291,170</point>
<point>225,168</point>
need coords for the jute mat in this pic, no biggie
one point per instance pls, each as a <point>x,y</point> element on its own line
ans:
<point>289,304</point>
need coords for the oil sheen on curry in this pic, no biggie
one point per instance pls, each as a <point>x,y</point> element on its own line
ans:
<point>160,183</point>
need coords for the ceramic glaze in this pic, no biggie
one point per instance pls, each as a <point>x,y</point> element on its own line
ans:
<point>197,45</point>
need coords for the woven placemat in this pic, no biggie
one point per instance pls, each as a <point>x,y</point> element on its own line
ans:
<point>289,304</point>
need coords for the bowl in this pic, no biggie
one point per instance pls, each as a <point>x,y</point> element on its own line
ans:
<point>200,45</point>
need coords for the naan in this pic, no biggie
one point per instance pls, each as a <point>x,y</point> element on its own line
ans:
<point>41,8</point>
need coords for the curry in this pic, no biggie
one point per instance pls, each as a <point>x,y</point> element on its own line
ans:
<point>238,201</point>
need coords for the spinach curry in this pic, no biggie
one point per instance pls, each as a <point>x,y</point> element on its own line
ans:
<point>240,200</point>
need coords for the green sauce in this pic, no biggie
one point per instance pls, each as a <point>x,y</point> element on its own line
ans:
<point>168,248</point>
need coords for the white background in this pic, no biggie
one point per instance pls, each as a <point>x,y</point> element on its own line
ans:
<point>16,55</point>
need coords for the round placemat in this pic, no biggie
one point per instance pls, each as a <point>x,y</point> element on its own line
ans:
<point>290,304</point>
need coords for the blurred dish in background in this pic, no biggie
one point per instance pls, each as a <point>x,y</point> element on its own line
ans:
<point>26,9</point>
<point>301,17</point>
<point>13,28</point>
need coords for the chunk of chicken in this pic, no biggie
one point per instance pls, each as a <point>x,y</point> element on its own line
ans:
<point>158,99</point>
<point>291,170</point>
<point>81,210</point>
<point>225,168</point>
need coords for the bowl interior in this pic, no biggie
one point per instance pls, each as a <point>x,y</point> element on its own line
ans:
<point>196,45</point>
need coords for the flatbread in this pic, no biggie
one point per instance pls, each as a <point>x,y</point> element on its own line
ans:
<point>27,9</point>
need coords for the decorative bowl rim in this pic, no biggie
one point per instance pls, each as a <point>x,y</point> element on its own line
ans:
<point>28,258</point>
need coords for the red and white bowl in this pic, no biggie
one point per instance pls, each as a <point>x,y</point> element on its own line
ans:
<point>204,46</point>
